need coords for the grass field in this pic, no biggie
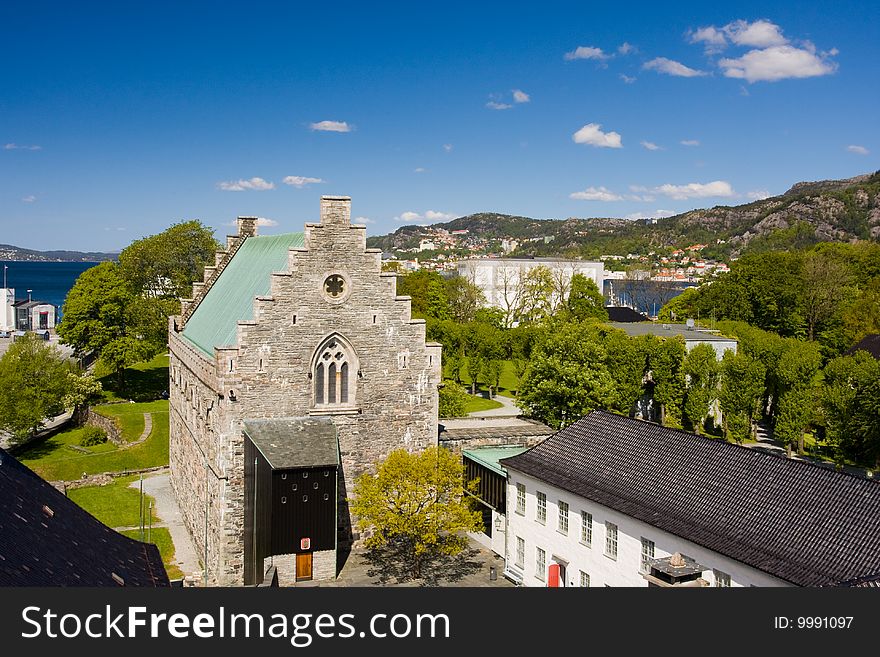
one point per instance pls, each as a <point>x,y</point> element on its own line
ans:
<point>161,538</point>
<point>54,460</point>
<point>130,417</point>
<point>116,504</point>
<point>509,381</point>
<point>476,403</point>
<point>143,382</point>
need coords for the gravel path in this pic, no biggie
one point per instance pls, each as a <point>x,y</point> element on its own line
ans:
<point>508,409</point>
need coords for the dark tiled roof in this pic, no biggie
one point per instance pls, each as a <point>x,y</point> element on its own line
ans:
<point>46,539</point>
<point>797,521</point>
<point>870,343</point>
<point>306,442</point>
<point>495,432</point>
<point>624,314</point>
<point>869,582</point>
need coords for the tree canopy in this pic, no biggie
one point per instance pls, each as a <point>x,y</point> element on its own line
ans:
<point>415,505</point>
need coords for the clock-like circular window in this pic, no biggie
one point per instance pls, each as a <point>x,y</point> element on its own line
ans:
<point>336,288</point>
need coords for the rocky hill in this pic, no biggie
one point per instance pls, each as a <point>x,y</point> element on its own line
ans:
<point>15,253</point>
<point>809,212</point>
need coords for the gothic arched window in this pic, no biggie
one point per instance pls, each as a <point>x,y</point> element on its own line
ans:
<point>334,371</point>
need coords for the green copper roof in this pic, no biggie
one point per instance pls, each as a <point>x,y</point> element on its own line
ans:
<point>231,298</point>
<point>489,456</point>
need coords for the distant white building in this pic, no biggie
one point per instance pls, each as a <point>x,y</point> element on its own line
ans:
<point>7,312</point>
<point>499,278</point>
<point>427,245</point>
<point>607,501</point>
<point>35,315</point>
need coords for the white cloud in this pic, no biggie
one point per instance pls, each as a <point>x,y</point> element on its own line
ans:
<point>257,184</point>
<point>695,190</point>
<point>592,134</point>
<point>430,216</point>
<point>758,195</point>
<point>672,67</point>
<point>267,223</point>
<point>651,146</point>
<point>861,150</point>
<point>690,142</point>
<point>710,36</point>
<point>498,106</point>
<point>420,170</point>
<point>586,52</point>
<point>596,194</point>
<point>331,126</point>
<point>626,48</point>
<point>760,34</point>
<point>301,181</point>
<point>520,96</point>
<point>19,147</point>
<point>30,198</point>
<point>447,148</point>
<point>638,188</point>
<point>778,63</point>
<point>363,220</point>
<point>627,78</point>
<point>642,198</point>
<point>657,214</point>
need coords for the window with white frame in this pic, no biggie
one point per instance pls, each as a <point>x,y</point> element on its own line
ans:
<point>520,551</point>
<point>586,528</point>
<point>722,579</point>
<point>540,563</point>
<point>647,555</point>
<point>521,499</point>
<point>541,513</point>
<point>585,580</point>
<point>611,540</point>
<point>334,373</point>
<point>563,517</point>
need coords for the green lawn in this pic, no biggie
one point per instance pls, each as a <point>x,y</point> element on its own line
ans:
<point>53,460</point>
<point>476,403</point>
<point>509,381</point>
<point>143,382</point>
<point>130,417</point>
<point>116,504</point>
<point>161,537</point>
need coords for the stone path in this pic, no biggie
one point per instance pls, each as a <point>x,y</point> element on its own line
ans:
<point>158,486</point>
<point>148,428</point>
<point>508,409</point>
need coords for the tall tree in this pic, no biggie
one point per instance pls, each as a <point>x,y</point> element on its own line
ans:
<point>702,371</point>
<point>797,372</point>
<point>826,287</point>
<point>415,505</point>
<point>851,404</point>
<point>464,298</point>
<point>34,380</point>
<point>665,363</point>
<point>741,394</point>
<point>585,301</point>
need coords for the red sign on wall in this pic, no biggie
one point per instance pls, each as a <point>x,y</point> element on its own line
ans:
<point>305,543</point>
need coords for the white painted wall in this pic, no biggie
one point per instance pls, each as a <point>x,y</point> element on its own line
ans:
<point>720,346</point>
<point>603,571</point>
<point>7,313</point>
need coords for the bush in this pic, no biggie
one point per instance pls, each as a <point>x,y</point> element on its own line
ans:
<point>93,436</point>
<point>453,399</point>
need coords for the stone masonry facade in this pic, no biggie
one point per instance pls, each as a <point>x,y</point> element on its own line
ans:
<point>268,373</point>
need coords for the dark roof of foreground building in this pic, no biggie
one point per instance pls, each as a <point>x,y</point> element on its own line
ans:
<point>797,521</point>
<point>296,442</point>
<point>625,314</point>
<point>870,343</point>
<point>46,539</point>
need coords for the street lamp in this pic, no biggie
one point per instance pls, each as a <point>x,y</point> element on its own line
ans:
<point>29,295</point>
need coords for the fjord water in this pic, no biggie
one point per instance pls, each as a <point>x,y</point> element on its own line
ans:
<point>48,281</point>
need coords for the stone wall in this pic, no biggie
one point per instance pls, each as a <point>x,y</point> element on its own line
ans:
<point>394,393</point>
<point>109,425</point>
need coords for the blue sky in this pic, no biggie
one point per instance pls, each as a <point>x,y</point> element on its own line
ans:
<point>116,121</point>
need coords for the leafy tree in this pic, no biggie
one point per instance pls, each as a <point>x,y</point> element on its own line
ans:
<point>464,299</point>
<point>453,399</point>
<point>534,294</point>
<point>702,371</point>
<point>826,286</point>
<point>83,389</point>
<point>797,370</point>
<point>428,291</point>
<point>167,264</point>
<point>415,505</point>
<point>568,377</point>
<point>521,341</point>
<point>665,363</point>
<point>585,300</point>
<point>34,380</point>
<point>741,394</point>
<point>851,404</point>
<point>627,361</point>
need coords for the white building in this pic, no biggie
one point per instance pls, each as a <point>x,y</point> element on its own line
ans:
<point>499,278</point>
<point>595,503</point>
<point>7,313</point>
<point>692,335</point>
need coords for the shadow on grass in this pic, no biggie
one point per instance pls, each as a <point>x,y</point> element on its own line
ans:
<point>141,385</point>
<point>392,566</point>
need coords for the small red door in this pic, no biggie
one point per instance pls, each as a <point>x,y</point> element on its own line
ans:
<point>553,576</point>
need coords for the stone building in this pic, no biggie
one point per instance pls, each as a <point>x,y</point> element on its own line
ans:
<point>297,352</point>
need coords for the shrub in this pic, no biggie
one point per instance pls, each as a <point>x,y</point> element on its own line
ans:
<point>453,399</point>
<point>93,436</point>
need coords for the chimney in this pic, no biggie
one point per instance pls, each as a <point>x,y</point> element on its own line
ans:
<point>336,210</point>
<point>675,571</point>
<point>247,226</point>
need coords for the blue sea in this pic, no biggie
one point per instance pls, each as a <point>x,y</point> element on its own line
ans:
<point>48,281</point>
